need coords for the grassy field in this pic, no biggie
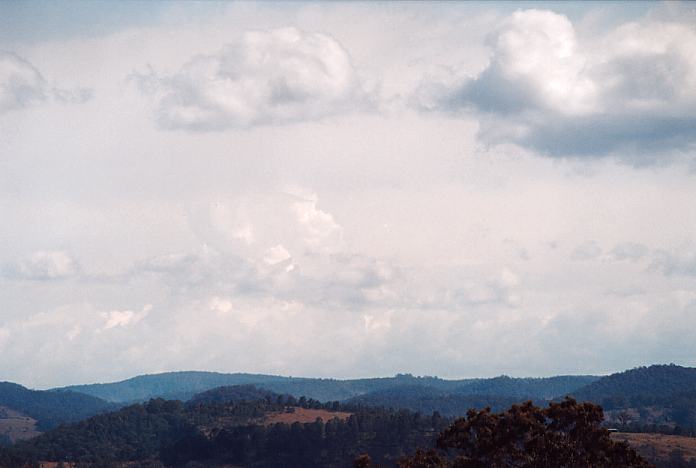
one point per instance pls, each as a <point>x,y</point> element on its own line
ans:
<point>16,426</point>
<point>659,446</point>
<point>303,415</point>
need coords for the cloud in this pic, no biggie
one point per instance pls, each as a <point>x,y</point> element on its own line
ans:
<point>276,254</point>
<point>587,251</point>
<point>43,266</point>
<point>632,89</point>
<point>124,318</point>
<point>629,251</point>
<point>184,273</point>
<point>21,85</point>
<point>681,263</point>
<point>254,225</point>
<point>266,77</point>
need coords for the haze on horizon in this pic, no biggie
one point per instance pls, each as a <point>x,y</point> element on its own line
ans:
<point>345,189</point>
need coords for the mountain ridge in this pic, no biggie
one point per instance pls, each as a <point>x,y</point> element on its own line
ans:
<point>184,385</point>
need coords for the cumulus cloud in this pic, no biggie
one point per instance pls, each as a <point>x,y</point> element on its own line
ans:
<point>266,77</point>
<point>124,318</point>
<point>276,254</point>
<point>632,89</point>
<point>272,225</point>
<point>43,266</point>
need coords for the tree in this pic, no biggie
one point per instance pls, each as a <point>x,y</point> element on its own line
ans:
<point>564,435</point>
<point>362,461</point>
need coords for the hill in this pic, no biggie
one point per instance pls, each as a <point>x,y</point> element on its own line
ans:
<point>544,388</point>
<point>641,386</point>
<point>183,385</point>
<point>50,409</point>
<point>428,400</point>
<point>234,393</point>
<point>659,398</point>
<point>265,433</point>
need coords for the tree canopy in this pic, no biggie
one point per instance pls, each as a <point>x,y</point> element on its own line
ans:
<point>566,434</point>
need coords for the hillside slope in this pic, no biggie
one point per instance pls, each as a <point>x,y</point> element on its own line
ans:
<point>427,400</point>
<point>641,386</point>
<point>247,433</point>
<point>51,408</point>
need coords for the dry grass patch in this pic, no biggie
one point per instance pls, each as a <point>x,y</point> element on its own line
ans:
<point>659,445</point>
<point>17,426</point>
<point>295,414</point>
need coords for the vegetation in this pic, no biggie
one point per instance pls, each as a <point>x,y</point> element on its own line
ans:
<point>642,386</point>
<point>564,435</point>
<point>522,388</point>
<point>386,419</point>
<point>216,432</point>
<point>428,400</point>
<point>51,409</point>
<point>654,399</point>
<point>232,394</point>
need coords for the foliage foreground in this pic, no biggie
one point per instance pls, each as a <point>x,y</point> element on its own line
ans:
<point>564,435</point>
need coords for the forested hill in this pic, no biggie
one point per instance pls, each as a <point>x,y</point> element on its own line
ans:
<point>233,394</point>
<point>183,385</point>
<point>272,432</point>
<point>641,386</point>
<point>51,408</point>
<point>520,388</point>
<point>427,400</point>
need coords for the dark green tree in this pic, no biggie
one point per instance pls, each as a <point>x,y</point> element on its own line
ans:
<point>564,435</point>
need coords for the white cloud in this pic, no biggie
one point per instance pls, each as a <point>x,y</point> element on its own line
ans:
<point>265,77</point>
<point>124,318</point>
<point>318,228</point>
<point>270,226</point>
<point>411,244</point>
<point>45,265</point>
<point>276,254</point>
<point>632,89</point>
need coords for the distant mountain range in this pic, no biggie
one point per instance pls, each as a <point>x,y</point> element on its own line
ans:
<point>658,395</point>
<point>235,423</point>
<point>183,385</point>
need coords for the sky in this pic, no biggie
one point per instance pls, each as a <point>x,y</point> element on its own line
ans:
<point>345,189</point>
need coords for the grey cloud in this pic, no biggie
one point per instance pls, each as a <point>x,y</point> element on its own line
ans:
<point>22,85</point>
<point>674,264</point>
<point>210,271</point>
<point>327,281</point>
<point>587,251</point>
<point>629,251</point>
<point>335,280</point>
<point>43,266</point>
<point>72,96</point>
<point>266,77</point>
<point>631,92</point>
